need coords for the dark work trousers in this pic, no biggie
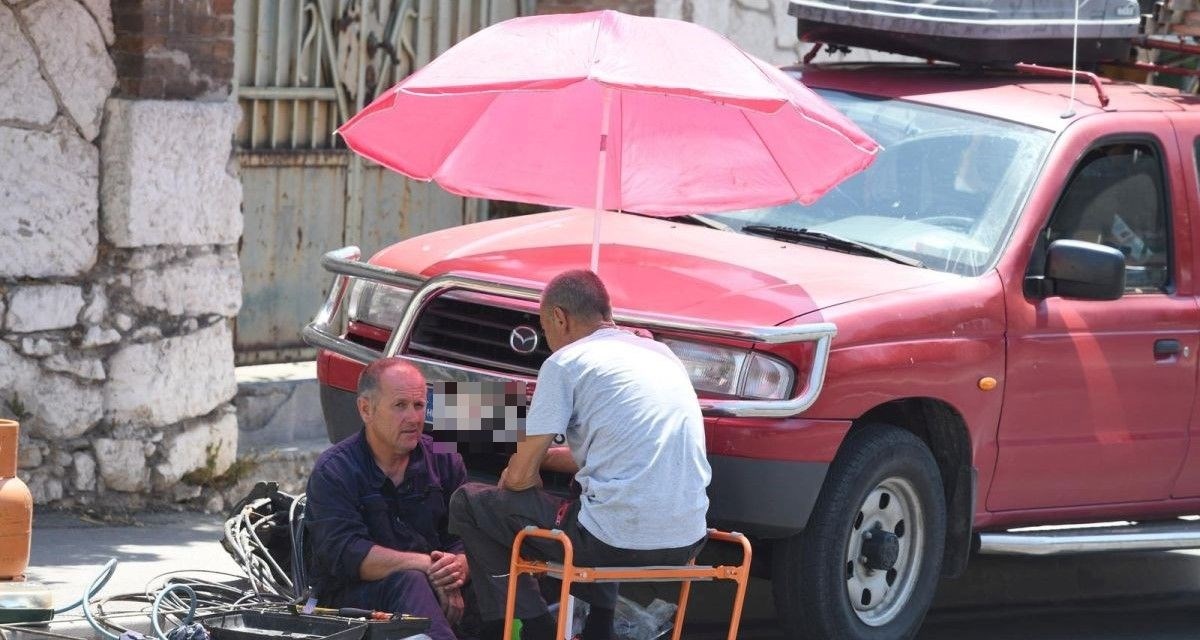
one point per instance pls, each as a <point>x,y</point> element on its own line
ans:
<point>400,592</point>
<point>487,520</point>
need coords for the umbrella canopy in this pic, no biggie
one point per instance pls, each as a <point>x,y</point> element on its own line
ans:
<point>610,111</point>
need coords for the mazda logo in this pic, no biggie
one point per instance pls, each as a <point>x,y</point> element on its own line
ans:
<point>523,339</point>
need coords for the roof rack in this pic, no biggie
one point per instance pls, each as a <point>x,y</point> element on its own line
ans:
<point>1165,43</point>
<point>983,33</point>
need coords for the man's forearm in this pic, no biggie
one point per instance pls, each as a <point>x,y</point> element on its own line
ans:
<point>382,562</point>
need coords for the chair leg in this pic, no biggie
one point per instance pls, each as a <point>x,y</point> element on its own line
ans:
<point>510,605</point>
<point>563,602</point>
<point>739,598</point>
<point>685,590</point>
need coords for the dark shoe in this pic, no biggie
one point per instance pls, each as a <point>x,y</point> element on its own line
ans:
<point>542,627</point>
<point>491,630</point>
<point>599,625</point>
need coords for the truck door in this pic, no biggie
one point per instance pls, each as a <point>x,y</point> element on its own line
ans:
<point>1099,393</point>
<point>1187,126</point>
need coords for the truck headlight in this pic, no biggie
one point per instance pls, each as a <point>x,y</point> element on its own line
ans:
<point>734,372</point>
<point>377,304</point>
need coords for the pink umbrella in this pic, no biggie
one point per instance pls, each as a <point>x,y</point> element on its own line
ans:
<point>610,111</point>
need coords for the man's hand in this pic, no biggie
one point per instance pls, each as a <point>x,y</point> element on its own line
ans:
<point>522,470</point>
<point>503,482</point>
<point>452,604</point>
<point>448,570</point>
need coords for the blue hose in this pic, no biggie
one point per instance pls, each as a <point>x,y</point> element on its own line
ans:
<point>105,573</point>
<point>91,590</point>
<point>158,603</point>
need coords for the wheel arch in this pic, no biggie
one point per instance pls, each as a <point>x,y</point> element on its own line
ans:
<point>942,428</point>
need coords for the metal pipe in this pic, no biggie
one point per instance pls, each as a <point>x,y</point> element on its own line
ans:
<point>1146,42</point>
<point>1170,70</point>
<point>1144,537</point>
<point>1057,72</point>
<point>288,93</point>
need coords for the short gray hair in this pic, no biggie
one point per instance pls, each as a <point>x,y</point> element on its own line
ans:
<point>368,380</point>
<point>580,293</point>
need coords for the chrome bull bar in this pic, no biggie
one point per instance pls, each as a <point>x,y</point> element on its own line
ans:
<point>344,263</point>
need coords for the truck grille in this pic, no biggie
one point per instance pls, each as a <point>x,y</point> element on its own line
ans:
<point>476,334</point>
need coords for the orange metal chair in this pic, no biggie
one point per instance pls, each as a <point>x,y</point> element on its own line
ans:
<point>570,574</point>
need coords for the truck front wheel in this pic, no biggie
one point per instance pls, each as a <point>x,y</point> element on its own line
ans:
<point>867,565</point>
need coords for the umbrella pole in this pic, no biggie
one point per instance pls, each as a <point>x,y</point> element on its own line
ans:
<point>601,169</point>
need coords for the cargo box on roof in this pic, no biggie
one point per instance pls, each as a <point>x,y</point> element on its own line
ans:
<point>974,32</point>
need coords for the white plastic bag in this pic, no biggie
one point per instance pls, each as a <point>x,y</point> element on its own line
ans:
<point>635,622</point>
<point>631,621</point>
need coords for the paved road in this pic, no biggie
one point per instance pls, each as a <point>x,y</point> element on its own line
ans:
<point>1139,596</point>
<point>1151,596</point>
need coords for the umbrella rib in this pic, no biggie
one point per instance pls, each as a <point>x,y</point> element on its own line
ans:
<point>835,131</point>
<point>595,44</point>
<point>618,168</point>
<point>771,153</point>
<point>467,132</point>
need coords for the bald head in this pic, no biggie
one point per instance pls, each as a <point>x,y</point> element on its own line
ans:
<point>391,403</point>
<point>369,380</point>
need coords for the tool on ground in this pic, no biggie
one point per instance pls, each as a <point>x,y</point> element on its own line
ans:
<point>346,612</point>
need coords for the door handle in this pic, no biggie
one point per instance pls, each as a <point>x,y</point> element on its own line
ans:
<point>1166,348</point>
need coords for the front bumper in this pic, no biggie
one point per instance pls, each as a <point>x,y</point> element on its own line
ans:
<point>763,498</point>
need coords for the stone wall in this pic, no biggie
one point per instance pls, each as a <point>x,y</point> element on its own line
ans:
<point>635,7</point>
<point>119,220</point>
<point>761,27</point>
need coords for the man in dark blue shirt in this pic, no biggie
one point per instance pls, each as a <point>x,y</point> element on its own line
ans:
<point>377,505</point>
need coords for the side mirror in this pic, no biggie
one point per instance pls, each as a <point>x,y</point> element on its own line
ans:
<point>1083,270</point>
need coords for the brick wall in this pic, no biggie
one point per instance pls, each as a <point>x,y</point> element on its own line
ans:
<point>635,7</point>
<point>173,49</point>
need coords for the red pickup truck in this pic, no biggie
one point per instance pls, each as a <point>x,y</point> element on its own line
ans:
<point>992,327</point>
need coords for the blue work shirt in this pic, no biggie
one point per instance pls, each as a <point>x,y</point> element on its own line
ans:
<point>353,505</point>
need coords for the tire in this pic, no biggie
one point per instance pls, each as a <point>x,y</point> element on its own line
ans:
<point>833,580</point>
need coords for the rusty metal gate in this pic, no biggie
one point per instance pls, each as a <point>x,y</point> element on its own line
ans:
<point>302,68</point>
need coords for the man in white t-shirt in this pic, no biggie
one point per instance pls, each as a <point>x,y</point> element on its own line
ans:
<point>635,442</point>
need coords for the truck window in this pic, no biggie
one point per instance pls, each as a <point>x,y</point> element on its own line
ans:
<point>945,190</point>
<point>1116,198</point>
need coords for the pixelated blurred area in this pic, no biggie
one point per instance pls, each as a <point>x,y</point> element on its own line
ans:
<point>480,417</point>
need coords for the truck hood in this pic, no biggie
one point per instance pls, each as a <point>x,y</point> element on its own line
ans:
<point>662,265</point>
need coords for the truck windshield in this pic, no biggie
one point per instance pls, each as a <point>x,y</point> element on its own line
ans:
<point>944,191</point>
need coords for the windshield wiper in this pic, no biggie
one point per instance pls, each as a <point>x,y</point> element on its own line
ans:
<point>828,241</point>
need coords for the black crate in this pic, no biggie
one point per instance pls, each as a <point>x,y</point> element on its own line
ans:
<point>266,625</point>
